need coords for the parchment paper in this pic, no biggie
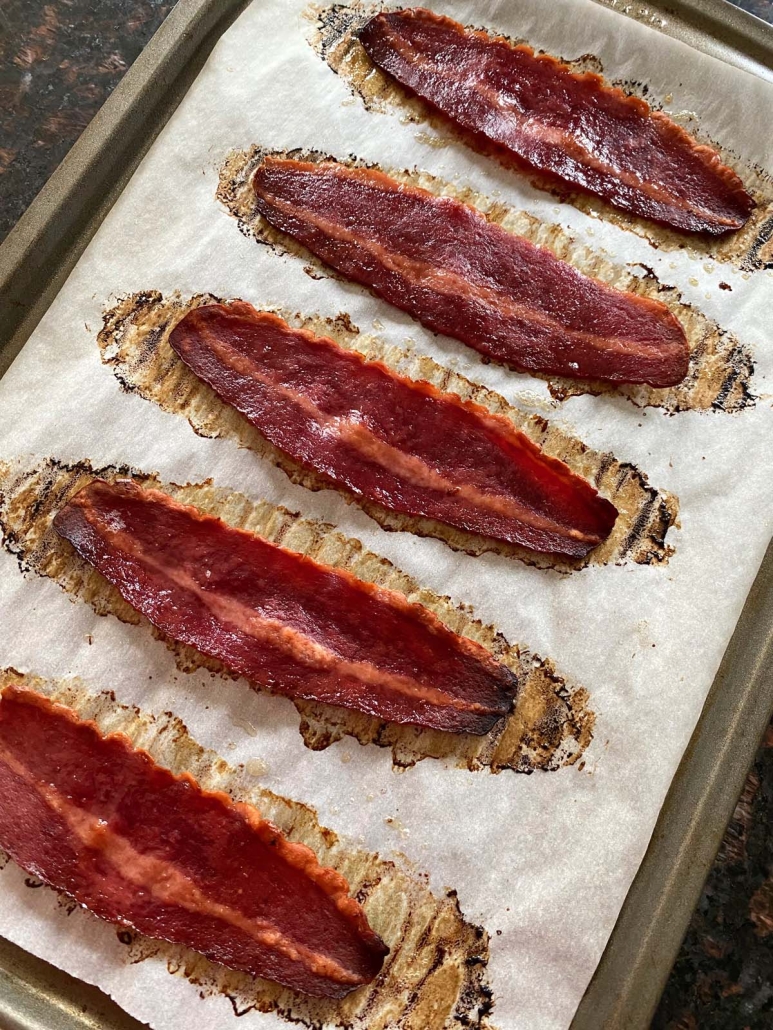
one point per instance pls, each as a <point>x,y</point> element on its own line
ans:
<point>544,861</point>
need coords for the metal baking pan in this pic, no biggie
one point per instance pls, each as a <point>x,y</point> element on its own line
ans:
<point>34,263</point>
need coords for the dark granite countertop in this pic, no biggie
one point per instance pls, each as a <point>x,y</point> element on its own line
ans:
<point>58,63</point>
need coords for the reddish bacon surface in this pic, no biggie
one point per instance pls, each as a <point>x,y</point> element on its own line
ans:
<point>462,275</point>
<point>90,815</point>
<point>401,443</point>
<point>280,619</point>
<point>566,124</point>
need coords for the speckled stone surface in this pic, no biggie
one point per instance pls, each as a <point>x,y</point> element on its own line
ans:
<point>58,63</point>
<point>723,978</point>
<point>762,8</point>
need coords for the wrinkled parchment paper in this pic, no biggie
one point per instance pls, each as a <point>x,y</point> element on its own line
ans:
<point>543,861</point>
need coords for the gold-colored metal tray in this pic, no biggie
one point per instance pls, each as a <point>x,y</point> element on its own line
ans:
<point>34,262</point>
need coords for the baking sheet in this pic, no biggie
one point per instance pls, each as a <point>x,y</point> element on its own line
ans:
<point>575,838</point>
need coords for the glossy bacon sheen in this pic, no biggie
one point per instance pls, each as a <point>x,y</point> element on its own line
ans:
<point>566,124</point>
<point>460,274</point>
<point>137,845</point>
<point>279,618</point>
<point>401,443</point>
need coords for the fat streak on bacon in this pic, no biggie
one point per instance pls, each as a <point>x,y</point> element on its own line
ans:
<point>457,273</point>
<point>139,846</point>
<point>389,439</point>
<point>567,124</point>
<point>281,619</point>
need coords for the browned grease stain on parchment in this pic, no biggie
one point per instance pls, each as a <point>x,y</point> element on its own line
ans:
<point>720,369</point>
<point>135,344</point>
<point>551,724</point>
<point>435,975</point>
<point>333,36</point>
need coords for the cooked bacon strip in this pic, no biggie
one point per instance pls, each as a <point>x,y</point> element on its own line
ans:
<point>567,124</point>
<point>462,275</point>
<point>401,443</point>
<point>280,619</point>
<point>137,845</point>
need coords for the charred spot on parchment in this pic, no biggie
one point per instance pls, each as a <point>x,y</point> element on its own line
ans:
<point>720,370</point>
<point>435,975</point>
<point>334,37</point>
<point>551,724</point>
<point>134,342</point>
<point>28,502</point>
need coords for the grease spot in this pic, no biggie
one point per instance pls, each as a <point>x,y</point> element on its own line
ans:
<point>134,343</point>
<point>551,724</point>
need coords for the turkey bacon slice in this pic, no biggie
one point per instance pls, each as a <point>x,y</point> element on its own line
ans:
<point>459,274</point>
<point>281,619</point>
<point>567,124</point>
<point>387,438</point>
<point>140,846</point>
